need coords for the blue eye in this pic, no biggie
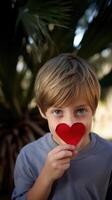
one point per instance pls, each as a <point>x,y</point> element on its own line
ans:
<point>57,112</point>
<point>81,111</point>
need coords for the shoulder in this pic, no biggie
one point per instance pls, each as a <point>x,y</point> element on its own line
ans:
<point>33,154</point>
<point>39,144</point>
<point>103,145</point>
<point>103,150</point>
<point>36,148</point>
<point>103,141</point>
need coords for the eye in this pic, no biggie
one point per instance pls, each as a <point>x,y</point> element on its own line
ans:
<point>81,111</point>
<point>57,112</point>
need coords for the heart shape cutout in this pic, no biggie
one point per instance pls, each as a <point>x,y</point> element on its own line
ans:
<point>71,135</point>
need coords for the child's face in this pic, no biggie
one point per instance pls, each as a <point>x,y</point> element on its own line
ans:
<point>78,111</point>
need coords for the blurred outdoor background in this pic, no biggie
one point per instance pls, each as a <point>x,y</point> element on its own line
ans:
<point>31,32</point>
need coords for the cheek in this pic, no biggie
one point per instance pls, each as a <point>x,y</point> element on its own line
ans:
<point>88,125</point>
<point>52,126</point>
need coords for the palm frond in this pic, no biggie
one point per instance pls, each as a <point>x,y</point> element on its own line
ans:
<point>99,32</point>
<point>55,11</point>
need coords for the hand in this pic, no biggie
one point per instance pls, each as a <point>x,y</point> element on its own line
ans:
<point>58,161</point>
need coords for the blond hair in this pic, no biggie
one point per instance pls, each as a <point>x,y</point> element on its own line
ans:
<point>64,78</point>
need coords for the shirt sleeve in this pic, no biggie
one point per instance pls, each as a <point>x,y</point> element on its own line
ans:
<point>23,177</point>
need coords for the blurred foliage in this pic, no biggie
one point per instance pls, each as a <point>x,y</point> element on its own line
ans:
<point>33,31</point>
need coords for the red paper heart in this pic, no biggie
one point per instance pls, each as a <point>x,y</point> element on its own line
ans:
<point>71,135</point>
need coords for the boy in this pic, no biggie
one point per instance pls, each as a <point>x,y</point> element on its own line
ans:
<point>67,93</point>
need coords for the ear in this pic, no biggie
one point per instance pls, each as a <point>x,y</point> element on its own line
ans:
<point>42,114</point>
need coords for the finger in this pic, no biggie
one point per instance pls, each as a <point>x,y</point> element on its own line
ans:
<point>64,161</point>
<point>58,163</point>
<point>63,147</point>
<point>63,154</point>
<point>64,166</point>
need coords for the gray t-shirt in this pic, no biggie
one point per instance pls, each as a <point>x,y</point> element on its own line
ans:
<point>86,179</point>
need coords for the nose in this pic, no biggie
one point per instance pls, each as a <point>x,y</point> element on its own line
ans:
<point>70,120</point>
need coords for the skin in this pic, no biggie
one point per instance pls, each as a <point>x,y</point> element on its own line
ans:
<point>58,160</point>
<point>77,111</point>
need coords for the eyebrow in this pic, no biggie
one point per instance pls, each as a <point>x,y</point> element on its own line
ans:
<point>78,106</point>
<point>82,105</point>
